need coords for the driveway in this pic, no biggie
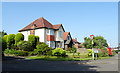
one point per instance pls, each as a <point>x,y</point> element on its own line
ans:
<point>20,64</point>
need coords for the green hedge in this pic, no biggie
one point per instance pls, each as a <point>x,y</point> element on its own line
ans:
<point>18,37</point>
<point>25,46</point>
<point>16,52</point>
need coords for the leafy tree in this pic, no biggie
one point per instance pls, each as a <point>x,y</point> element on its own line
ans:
<point>18,37</point>
<point>10,40</point>
<point>99,42</point>
<point>2,33</point>
<point>73,49</point>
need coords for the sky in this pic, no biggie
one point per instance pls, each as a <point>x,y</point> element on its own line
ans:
<point>81,19</point>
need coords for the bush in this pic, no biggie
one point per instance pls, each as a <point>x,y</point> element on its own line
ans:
<point>18,37</point>
<point>3,44</point>
<point>25,46</point>
<point>32,39</point>
<point>43,49</point>
<point>89,52</point>
<point>114,52</point>
<point>117,51</point>
<point>103,52</point>
<point>5,37</point>
<point>10,40</point>
<point>37,39</point>
<point>59,52</point>
<point>16,52</point>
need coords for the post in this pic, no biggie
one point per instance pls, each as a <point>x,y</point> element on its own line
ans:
<point>92,36</point>
<point>92,51</point>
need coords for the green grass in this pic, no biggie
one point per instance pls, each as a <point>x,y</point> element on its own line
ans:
<point>55,58</point>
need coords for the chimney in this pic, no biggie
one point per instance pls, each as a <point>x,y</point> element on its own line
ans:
<point>76,39</point>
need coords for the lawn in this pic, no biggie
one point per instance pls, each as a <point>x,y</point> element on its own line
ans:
<point>55,58</point>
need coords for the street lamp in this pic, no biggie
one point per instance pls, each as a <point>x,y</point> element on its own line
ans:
<point>91,37</point>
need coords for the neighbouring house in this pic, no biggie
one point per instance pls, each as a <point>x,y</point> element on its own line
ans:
<point>76,43</point>
<point>53,35</point>
<point>67,40</point>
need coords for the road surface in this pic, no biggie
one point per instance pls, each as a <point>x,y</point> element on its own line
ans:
<point>16,64</point>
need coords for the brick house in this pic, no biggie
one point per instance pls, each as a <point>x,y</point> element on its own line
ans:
<point>76,43</point>
<point>53,35</point>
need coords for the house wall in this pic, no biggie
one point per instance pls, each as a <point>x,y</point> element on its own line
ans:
<point>26,33</point>
<point>41,34</point>
<point>50,39</point>
<point>59,36</point>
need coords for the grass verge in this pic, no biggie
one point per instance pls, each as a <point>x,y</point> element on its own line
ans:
<point>54,58</point>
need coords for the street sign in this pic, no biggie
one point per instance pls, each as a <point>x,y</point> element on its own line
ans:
<point>96,51</point>
<point>91,36</point>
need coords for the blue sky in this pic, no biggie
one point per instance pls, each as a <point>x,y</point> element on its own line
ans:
<point>80,18</point>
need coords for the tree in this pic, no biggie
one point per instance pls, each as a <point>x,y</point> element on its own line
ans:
<point>73,49</point>
<point>2,33</point>
<point>18,37</point>
<point>10,40</point>
<point>99,42</point>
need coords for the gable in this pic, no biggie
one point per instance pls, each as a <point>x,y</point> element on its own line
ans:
<point>39,23</point>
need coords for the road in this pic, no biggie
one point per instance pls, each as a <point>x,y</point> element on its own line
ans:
<point>13,64</point>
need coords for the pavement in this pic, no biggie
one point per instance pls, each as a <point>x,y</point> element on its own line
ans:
<point>21,64</point>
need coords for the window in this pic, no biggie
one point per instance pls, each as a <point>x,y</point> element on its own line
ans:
<point>47,31</point>
<point>60,33</point>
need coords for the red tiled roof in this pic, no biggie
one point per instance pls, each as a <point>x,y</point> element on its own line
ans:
<point>66,35</point>
<point>74,40</point>
<point>57,26</point>
<point>41,22</point>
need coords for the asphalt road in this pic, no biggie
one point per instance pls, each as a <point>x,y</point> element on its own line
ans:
<point>16,64</point>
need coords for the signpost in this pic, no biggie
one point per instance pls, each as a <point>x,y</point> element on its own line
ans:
<point>96,51</point>
<point>91,37</point>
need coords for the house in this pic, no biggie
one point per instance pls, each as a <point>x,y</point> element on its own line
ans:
<point>76,43</point>
<point>67,40</point>
<point>53,35</point>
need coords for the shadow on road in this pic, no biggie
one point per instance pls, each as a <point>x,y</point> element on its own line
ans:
<point>13,64</point>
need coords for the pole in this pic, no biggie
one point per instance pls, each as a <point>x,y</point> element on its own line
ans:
<point>92,51</point>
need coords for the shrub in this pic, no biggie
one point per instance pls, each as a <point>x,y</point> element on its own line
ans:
<point>25,46</point>
<point>32,39</point>
<point>37,39</point>
<point>3,43</point>
<point>43,49</point>
<point>89,52</point>
<point>59,52</point>
<point>78,53</point>
<point>114,52</point>
<point>16,52</point>
<point>117,51</point>
<point>10,40</point>
<point>103,52</point>
<point>5,38</point>
<point>18,37</point>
